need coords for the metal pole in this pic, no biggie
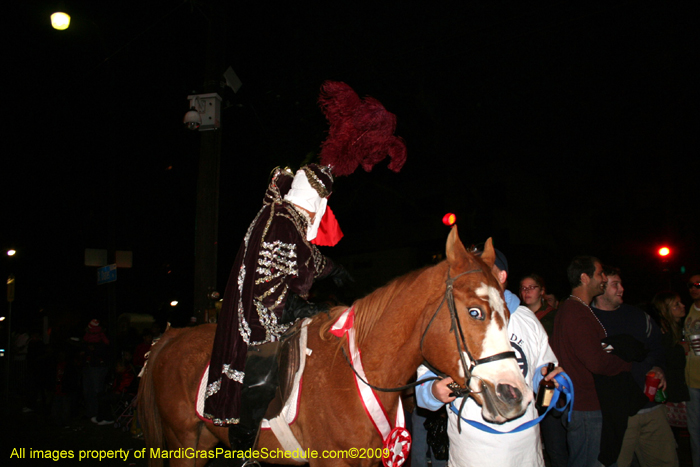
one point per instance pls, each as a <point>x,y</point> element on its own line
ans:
<point>207,221</point>
<point>8,353</point>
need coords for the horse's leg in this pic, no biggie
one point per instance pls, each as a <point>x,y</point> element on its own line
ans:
<point>206,441</point>
<point>183,437</point>
<point>209,437</point>
<point>195,434</point>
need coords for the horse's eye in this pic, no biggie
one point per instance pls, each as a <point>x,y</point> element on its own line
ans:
<point>476,313</point>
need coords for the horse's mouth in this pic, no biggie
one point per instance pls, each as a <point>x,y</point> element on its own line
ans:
<point>502,402</point>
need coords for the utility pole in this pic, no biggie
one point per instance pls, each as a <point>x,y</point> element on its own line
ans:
<point>8,351</point>
<point>207,216</point>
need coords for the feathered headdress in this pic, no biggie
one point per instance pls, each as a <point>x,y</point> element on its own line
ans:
<point>361,132</point>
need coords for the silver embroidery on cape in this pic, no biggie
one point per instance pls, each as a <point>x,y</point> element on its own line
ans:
<point>212,389</point>
<point>319,261</point>
<point>279,300</point>
<point>241,278</point>
<point>269,321</point>
<point>232,373</point>
<point>249,232</point>
<point>276,257</point>
<point>220,422</point>
<point>268,292</point>
<point>269,278</point>
<point>243,327</point>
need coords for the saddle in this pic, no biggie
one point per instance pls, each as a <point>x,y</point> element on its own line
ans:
<point>288,360</point>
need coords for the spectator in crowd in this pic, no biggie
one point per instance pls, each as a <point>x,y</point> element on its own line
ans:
<point>142,349</point>
<point>692,368</point>
<point>422,454</point>
<point>670,313</point>
<point>66,385</point>
<point>552,300</point>
<point>647,434</point>
<point>121,388</point>
<point>532,291</point>
<point>577,343</point>
<point>35,380</point>
<point>20,343</point>
<point>96,368</point>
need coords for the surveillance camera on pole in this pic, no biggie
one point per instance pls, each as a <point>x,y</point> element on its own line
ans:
<point>204,113</point>
<point>192,119</point>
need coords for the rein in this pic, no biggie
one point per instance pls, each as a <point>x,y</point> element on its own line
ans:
<point>456,329</point>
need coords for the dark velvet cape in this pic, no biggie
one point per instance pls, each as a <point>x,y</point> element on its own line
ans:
<point>275,259</point>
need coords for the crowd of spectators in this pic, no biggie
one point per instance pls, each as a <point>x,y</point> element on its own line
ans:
<point>88,376</point>
<point>635,373</point>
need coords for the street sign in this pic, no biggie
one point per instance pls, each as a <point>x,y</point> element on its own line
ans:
<point>107,274</point>
<point>95,257</point>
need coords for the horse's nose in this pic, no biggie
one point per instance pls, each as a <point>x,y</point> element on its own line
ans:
<point>509,394</point>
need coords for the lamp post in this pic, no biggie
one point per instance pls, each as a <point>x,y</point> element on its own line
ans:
<point>61,21</point>
<point>8,350</point>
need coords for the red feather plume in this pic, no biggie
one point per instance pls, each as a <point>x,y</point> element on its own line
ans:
<point>361,131</point>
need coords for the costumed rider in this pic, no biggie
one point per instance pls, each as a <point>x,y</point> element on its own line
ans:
<point>266,292</point>
<point>278,261</point>
<point>471,446</point>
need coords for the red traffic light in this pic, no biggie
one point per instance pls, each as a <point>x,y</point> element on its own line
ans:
<point>449,219</point>
<point>664,251</point>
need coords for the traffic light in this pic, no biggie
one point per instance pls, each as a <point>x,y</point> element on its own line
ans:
<point>664,252</point>
<point>449,219</point>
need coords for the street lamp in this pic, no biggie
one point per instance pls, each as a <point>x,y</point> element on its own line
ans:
<point>60,21</point>
<point>11,252</point>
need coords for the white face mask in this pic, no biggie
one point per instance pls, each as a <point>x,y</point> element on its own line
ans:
<point>313,228</point>
<point>303,195</point>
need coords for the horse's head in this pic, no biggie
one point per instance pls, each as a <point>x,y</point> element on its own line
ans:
<point>479,331</point>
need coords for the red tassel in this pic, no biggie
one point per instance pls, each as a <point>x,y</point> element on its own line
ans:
<point>329,233</point>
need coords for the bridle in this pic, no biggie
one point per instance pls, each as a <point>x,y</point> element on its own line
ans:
<point>462,348</point>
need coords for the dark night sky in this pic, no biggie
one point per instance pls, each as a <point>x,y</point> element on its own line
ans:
<point>557,129</point>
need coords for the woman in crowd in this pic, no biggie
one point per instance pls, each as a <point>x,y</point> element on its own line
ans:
<point>532,291</point>
<point>671,312</point>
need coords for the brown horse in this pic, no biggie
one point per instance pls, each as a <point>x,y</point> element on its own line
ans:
<point>397,328</point>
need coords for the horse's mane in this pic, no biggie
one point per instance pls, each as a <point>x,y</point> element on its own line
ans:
<point>369,310</point>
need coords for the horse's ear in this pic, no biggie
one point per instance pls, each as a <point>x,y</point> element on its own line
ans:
<point>455,251</point>
<point>489,255</point>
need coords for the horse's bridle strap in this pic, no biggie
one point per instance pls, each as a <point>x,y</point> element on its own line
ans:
<point>493,358</point>
<point>456,328</point>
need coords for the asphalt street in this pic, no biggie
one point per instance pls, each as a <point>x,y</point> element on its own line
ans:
<point>33,432</point>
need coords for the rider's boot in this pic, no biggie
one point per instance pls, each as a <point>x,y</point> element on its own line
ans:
<point>259,387</point>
